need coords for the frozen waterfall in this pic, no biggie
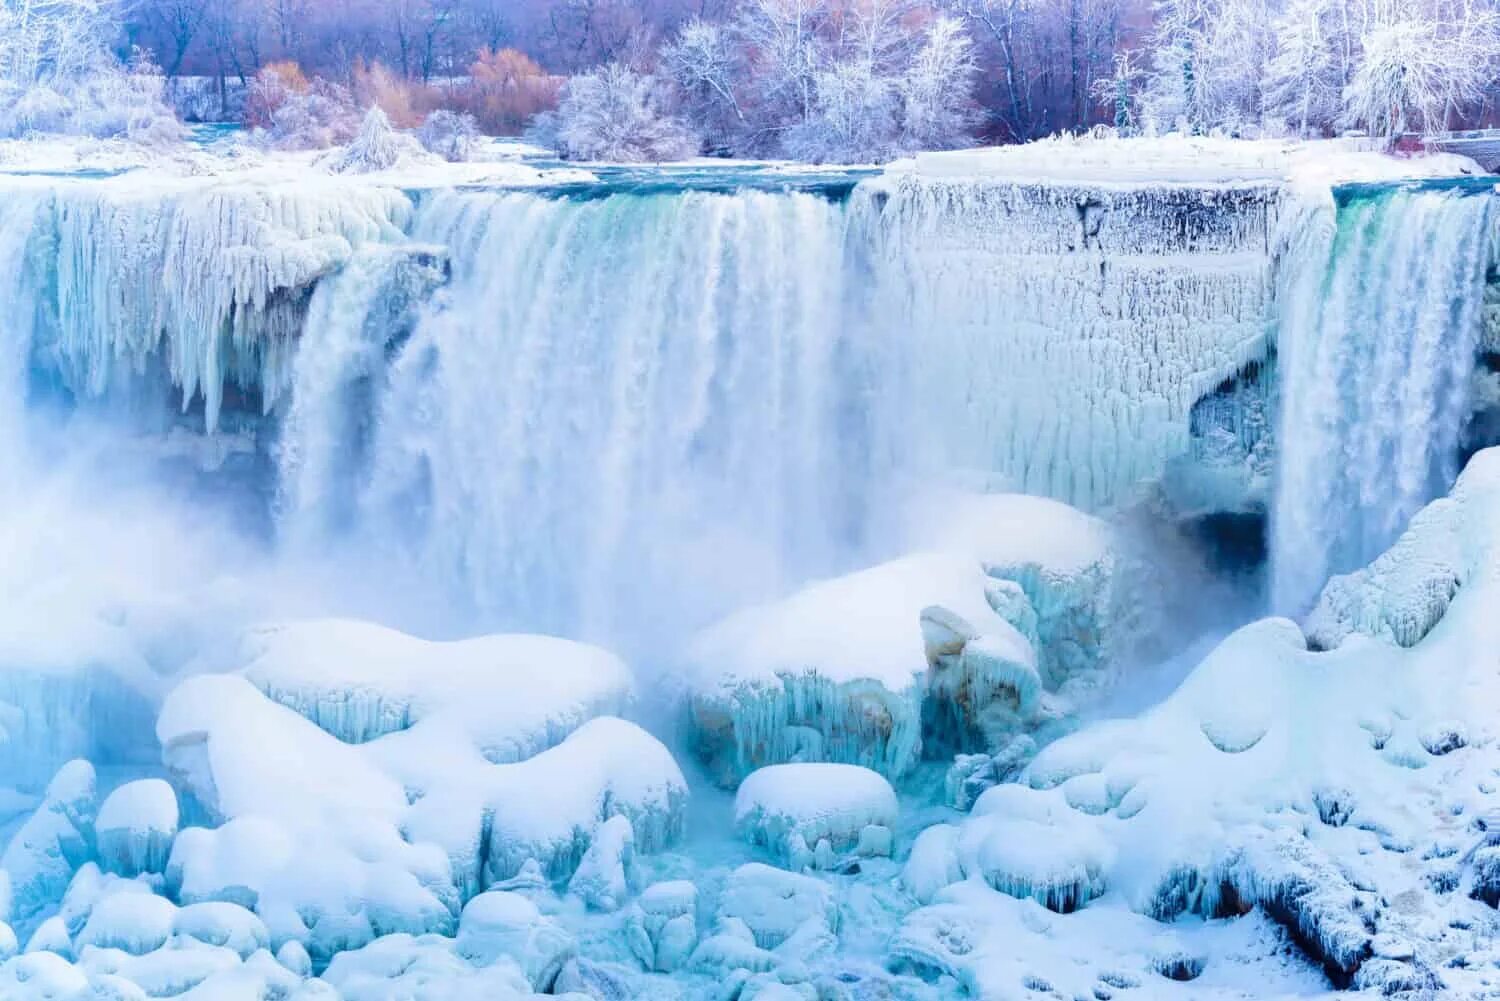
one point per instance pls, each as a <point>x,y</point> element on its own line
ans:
<point>1381,313</point>
<point>614,400</point>
<point>619,397</point>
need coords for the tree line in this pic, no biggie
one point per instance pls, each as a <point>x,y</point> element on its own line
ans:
<point>811,79</point>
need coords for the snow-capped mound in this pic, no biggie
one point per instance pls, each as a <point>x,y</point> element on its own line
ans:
<point>515,695</point>
<point>835,672</point>
<point>389,836</point>
<point>136,826</point>
<point>497,926</point>
<point>547,807</point>
<point>803,813</point>
<point>1089,598</point>
<point>1403,594</point>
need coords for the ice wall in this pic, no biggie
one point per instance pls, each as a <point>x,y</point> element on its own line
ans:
<point>1054,337</point>
<point>1381,311</point>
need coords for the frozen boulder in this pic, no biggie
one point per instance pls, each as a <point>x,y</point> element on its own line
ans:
<point>1027,845</point>
<point>933,863</point>
<point>42,976</point>
<point>136,923</point>
<point>603,879</point>
<point>421,968</point>
<point>1084,591</point>
<point>497,926</point>
<point>136,826</point>
<point>514,695</point>
<point>835,672</point>
<point>981,688</point>
<point>773,904</point>
<point>548,807</point>
<point>228,926</point>
<point>787,809</point>
<point>662,926</point>
<point>1401,595</point>
<point>51,844</point>
<point>51,936</point>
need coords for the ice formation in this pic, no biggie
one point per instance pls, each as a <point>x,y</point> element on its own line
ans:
<point>792,810</point>
<point>1379,322</point>
<point>466,407</point>
<point>837,671</point>
<point>514,695</point>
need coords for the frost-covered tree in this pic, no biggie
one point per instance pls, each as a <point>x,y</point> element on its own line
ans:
<point>615,113</point>
<point>59,74</point>
<point>852,118</point>
<point>1421,63</point>
<point>1207,65</point>
<point>707,66</point>
<point>1305,78</point>
<point>937,90</point>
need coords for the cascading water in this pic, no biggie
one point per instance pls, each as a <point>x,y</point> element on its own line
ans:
<point>616,400</point>
<point>1380,316</point>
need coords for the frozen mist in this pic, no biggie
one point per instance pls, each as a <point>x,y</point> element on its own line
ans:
<point>725,581</point>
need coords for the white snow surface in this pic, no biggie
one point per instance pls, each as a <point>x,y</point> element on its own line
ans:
<point>864,626</point>
<point>514,695</point>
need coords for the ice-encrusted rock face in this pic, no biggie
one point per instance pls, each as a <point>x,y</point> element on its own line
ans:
<point>1026,292</point>
<point>207,279</point>
<point>836,672</point>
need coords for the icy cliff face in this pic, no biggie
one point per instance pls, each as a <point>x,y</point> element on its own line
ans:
<point>1058,336</point>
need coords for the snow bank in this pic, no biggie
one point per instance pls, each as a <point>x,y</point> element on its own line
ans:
<point>803,812</point>
<point>1405,592</point>
<point>514,695</point>
<point>1316,787</point>
<point>392,835</point>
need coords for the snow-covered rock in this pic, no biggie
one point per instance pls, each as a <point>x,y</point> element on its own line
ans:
<point>136,923</point>
<point>662,925</point>
<point>790,810</point>
<point>136,826</point>
<point>836,672</point>
<point>54,841</point>
<point>515,695</point>
<point>774,904</point>
<point>497,926</point>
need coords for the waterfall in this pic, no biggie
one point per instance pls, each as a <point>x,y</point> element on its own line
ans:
<point>619,402</point>
<point>628,412</point>
<point>1380,318</point>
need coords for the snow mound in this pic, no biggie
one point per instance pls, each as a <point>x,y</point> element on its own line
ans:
<point>136,826</point>
<point>774,904</point>
<point>1088,597</point>
<point>515,695</point>
<point>548,808</point>
<point>835,672</point>
<point>338,856</point>
<point>1403,594</point>
<point>800,812</point>
<point>497,925</point>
